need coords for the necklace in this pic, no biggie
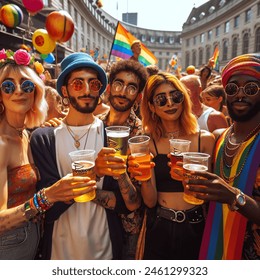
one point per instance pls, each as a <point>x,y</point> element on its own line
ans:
<point>76,138</point>
<point>20,130</point>
<point>171,135</point>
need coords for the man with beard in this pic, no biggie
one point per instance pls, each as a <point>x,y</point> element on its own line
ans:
<point>233,222</point>
<point>127,80</point>
<point>80,230</point>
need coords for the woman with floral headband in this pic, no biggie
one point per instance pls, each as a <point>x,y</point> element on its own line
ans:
<point>166,112</point>
<point>22,107</point>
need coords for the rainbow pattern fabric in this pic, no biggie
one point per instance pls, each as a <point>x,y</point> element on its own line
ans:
<point>225,230</point>
<point>122,47</point>
<point>216,58</point>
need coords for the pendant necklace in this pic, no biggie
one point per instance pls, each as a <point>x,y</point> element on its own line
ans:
<point>20,130</point>
<point>76,138</point>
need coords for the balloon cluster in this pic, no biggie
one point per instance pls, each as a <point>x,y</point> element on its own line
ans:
<point>59,26</point>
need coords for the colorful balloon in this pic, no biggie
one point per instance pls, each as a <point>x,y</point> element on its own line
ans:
<point>33,6</point>
<point>60,26</point>
<point>11,15</point>
<point>190,69</point>
<point>42,42</point>
<point>50,58</point>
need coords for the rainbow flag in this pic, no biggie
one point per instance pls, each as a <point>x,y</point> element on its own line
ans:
<point>122,47</point>
<point>224,231</point>
<point>216,59</point>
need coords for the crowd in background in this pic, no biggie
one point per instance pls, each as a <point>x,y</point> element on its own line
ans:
<point>41,121</point>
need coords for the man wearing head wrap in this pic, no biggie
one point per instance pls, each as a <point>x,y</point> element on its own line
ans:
<point>89,230</point>
<point>136,48</point>
<point>233,222</point>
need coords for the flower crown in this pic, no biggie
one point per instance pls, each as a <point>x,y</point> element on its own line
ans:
<point>20,57</point>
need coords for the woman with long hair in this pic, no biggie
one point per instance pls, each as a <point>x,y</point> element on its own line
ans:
<point>22,108</point>
<point>174,227</point>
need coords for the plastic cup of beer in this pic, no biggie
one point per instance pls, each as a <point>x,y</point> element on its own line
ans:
<point>139,148</point>
<point>193,161</point>
<point>177,148</point>
<point>117,137</point>
<point>83,163</point>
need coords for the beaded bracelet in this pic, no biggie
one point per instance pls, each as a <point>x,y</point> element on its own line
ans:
<point>45,198</point>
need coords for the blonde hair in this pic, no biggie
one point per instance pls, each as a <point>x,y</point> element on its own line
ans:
<point>37,115</point>
<point>153,124</point>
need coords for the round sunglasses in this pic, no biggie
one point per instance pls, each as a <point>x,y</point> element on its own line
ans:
<point>94,85</point>
<point>176,97</point>
<point>119,86</point>
<point>249,89</point>
<point>9,87</point>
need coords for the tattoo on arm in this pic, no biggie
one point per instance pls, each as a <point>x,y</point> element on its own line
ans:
<point>105,199</point>
<point>127,189</point>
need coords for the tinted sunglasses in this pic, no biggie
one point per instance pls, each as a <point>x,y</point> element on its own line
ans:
<point>176,97</point>
<point>130,89</point>
<point>9,87</point>
<point>249,89</point>
<point>94,85</point>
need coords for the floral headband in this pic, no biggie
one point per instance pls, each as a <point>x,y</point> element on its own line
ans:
<point>21,57</point>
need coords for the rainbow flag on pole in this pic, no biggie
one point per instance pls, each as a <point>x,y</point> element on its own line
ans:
<point>216,59</point>
<point>121,47</point>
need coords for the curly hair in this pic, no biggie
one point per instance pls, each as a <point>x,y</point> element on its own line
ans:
<point>153,124</point>
<point>129,66</point>
<point>36,116</point>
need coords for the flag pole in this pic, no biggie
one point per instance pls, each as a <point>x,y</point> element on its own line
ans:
<point>112,47</point>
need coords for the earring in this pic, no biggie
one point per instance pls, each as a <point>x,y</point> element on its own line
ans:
<point>135,106</point>
<point>2,108</point>
<point>65,101</point>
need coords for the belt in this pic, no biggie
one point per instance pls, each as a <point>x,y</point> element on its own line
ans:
<point>193,216</point>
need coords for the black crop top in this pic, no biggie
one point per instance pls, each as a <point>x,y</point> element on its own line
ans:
<point>164,181</point>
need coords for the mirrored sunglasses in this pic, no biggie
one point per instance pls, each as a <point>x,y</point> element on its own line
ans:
<point>9,87</point>
<point>94,85</point>
<point>176,97</point>
<point>119,86</point>
<point>249,89</point>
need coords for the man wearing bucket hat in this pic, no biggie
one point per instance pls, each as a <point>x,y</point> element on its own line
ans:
<point>232,229</point>
<point>79,230</point>
<point>136,48</point>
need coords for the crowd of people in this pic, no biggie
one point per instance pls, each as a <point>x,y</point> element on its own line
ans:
<point>42,121</point>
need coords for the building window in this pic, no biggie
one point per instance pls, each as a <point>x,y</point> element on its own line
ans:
<point>217,31</point>
<point>202,38</point>
<point>258,8</point>
<point>257,40</point>
<point>225,50</point>
<point>194,58</point>
<point>209,35</point>
<point>194,40</point>
<point>152,39</point>
<point>245,43</point>
<point>143,38</point>
<point>200,57</point>
<point>234,47</point>
<point>187,42</point>
<point>171,40</point>
<point>187,59</point>
<point>226,27</point>
<point>208,53</point>
<point>248,15</point>
<point>161,39</point>
<point>236,21</point>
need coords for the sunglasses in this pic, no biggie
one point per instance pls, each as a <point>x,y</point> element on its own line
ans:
<point>249,89</point>
<point>175,96</point>
<point>119,86</point>
<point>93,85</point>
<point>9,87</point>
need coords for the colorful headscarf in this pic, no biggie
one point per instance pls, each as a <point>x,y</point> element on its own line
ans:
<point>245,64</point>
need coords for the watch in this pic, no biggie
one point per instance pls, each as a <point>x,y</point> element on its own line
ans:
<point>239,201</point>
<point>29,212</point>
